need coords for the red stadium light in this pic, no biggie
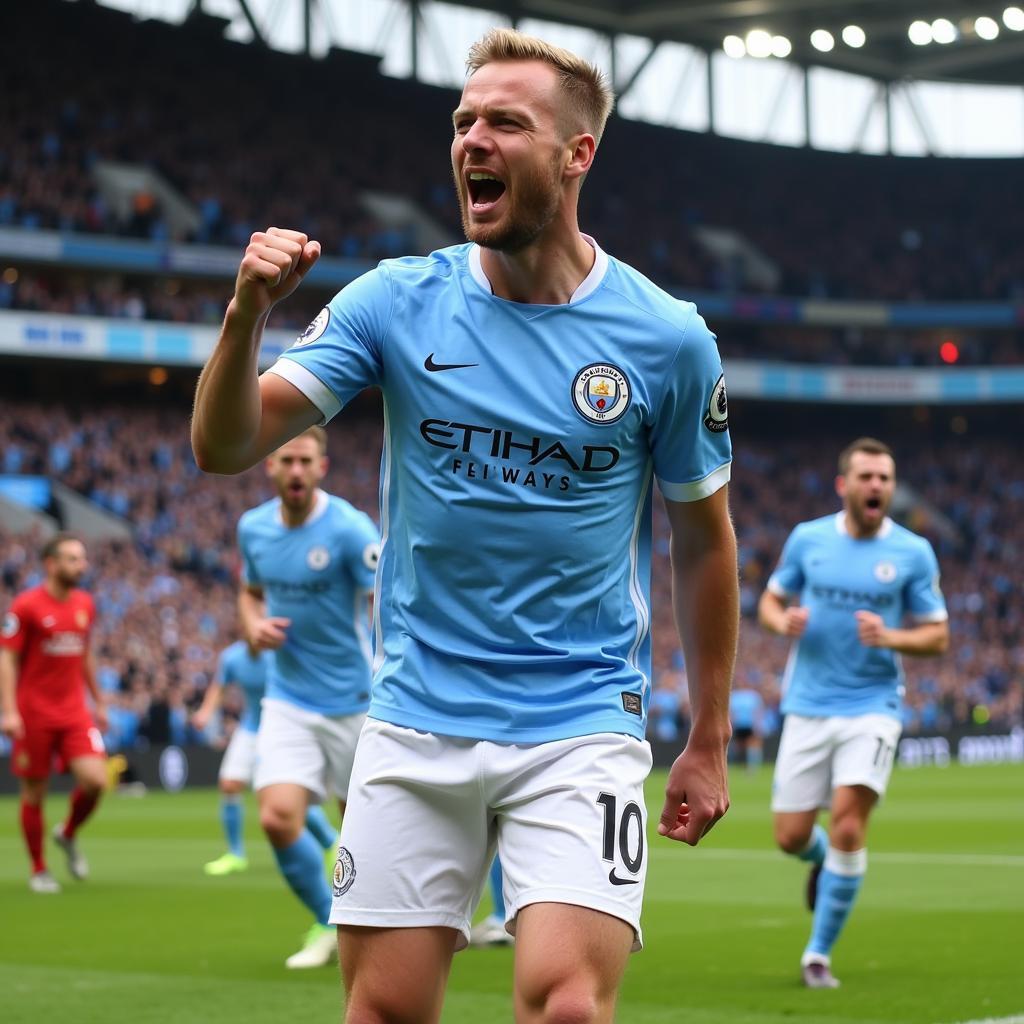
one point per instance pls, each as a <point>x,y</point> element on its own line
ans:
<point>948,352</point>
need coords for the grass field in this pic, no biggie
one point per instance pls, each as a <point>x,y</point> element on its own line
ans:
<point>936,938</point>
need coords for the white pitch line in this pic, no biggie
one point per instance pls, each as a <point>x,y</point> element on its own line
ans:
<point>980,860</point>
<point>1018,1019</point>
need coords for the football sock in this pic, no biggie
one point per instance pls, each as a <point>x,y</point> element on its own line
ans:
<point>838,886</point>
<point>497,894</point>
<point>755,758</point>
<point>302,865</point>
<point>817,845</point>
<point>82,804</point>
<point>232,815</point>
<point>32,829</point>
<point>319,824</point>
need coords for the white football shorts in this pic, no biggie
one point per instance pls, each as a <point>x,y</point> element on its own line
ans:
<point>816,755</point>
<point>426,814</point>
<point>239,761</point>
<point>306,748</point>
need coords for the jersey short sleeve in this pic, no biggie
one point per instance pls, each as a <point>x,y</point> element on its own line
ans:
<point>225,673</point>
<point>14,627</point>
<point>250,574</point>
<point>364,551</point>
<point>690,433</point>
<point>788,578</point>
<point>922,593</point>
<point>339,354</point>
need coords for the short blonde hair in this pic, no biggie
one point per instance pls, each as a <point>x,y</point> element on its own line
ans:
<point>583,85</point>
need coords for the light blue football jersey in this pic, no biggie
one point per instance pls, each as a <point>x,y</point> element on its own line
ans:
<point>516,478</point>
<point>236,665</point>
<point>745,708</point>
<point>318,575</point>
<point>893,574</point>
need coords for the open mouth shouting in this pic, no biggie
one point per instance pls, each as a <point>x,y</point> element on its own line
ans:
<point>485,191</point>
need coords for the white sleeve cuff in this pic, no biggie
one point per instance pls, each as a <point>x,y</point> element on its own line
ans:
<point>776,588</point>
<point>939,615</point>
<point>309,384</point>
<point>698,489</point>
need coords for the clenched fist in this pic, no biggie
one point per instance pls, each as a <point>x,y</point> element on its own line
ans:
<point>275,262</point>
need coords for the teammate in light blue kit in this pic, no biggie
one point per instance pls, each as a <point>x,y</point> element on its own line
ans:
<point>852,579</point>
<point>533,389</point>
<point>308,563</point>
<point>746,712</point>
<point>240,665</point>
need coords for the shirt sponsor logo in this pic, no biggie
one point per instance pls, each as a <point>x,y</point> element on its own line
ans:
<point>64,645</point>
<point>601,393</point>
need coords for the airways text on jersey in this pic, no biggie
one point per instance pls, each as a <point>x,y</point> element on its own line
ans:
<point>493,454</point>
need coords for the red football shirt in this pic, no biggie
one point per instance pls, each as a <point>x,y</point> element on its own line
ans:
<point>51,640</point>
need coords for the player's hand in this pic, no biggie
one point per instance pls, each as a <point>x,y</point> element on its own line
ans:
<point>794,621</point>
<point>11,725</point>
<point>697,793</point>
<point>269,634</point>
<point>871,629</point>
<point>200,720</point>
<point>275,262</point>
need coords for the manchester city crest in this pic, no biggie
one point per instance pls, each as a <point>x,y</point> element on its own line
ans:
<point>601,393</point>
<point>318,557</point>
<point>315,329</point>
<point>885,572</point>
<point>344,872</point>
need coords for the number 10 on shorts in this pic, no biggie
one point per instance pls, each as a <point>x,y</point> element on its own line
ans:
<point>625,832</point>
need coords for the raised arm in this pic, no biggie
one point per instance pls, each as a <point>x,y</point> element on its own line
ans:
<point>240,417</point>
<point>705,598</point>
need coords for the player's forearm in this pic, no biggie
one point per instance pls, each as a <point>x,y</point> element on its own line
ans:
<point>8,682</point>
<point>228,408</point>
<point>210,699</point>
<point>250,610</point>
<point>926,640</point>
<point>771,613</point>
<point>705,597</point>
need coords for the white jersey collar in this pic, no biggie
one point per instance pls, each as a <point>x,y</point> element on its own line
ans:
<point>319,508</point>
<point>883,531</point>
<point>587,286</point>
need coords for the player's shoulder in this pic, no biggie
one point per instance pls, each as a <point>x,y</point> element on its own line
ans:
<point>28,599</point>
<point>260,516</point>
<point>823,527</point>
<point>439,265</point>
<point>677,317</point>
<point>899,536</point>
<point>233,651</point>
<point>343,514</point>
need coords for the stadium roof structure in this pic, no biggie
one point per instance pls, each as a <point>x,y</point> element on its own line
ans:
<point>887,53</point>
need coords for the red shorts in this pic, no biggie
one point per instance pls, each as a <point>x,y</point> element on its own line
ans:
<point>43,748</point>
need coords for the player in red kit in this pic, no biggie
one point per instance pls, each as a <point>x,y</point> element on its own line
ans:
<point>45,668</point>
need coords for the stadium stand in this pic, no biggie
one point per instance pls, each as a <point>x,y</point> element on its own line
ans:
<point>166,598</point>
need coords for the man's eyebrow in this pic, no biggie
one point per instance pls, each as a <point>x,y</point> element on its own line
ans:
<point>512,112</point>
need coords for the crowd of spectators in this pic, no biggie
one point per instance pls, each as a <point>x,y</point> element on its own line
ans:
<point>834,225</point>
<point>166,600</point>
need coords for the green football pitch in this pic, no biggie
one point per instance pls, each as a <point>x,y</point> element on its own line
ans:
<point>936,937</point>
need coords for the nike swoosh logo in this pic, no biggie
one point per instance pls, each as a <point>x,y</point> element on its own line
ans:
<point>615,880</point>
<point>429,364</point>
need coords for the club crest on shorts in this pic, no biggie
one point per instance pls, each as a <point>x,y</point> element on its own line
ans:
<point>315,329</point>
<point>716,419</point>
<point>344,872</point>
<point>601,393</point>
<point>318,558</point>
<point>10,626</point>
<point>885,572</point>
